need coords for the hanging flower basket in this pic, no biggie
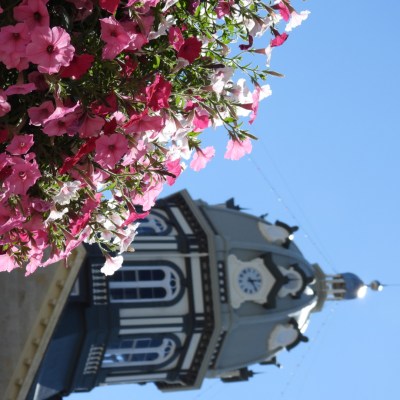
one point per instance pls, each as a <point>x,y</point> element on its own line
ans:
<point>102,101</point>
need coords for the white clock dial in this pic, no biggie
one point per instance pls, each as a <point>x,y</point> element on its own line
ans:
<point>249,280</point>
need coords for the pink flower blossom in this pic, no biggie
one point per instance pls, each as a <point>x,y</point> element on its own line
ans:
<point>201,158</point>
<point>14,39</point>
<point>24,175</point>
<point>63,120</point>
<point>90,126</point>
<point>201,119</point>
<point>7,263</point>
<point>157,94</point>
<point>50,49</point>
<point>175,38</point>
<point>33,13</point>
<point>145,123</point>
<point>78,66</point>
<point>39,80</point>
<point>115,37</point>
<point>20,144</point>
<point>254,107</point>
<point>41,113</point>
<point>69,162</point>
<point>236,149</point>
<point>173,167</point>
<point>110,150</point>
<point>148,198</point>
<point>23,88</point>
<point>109,5</point>
<point>190,50</point>
<point>283,10</point>
<point>223,7</point>
<point>137,39</point>
<point>279,39</point>
<point>5,107</point>
<point>10,218</point>
<point>65,124</point>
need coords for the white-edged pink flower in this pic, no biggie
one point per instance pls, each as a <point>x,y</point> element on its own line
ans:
<point>236,149</point>
<point>68,192</point>
<point>296,19</point>
<point>50,49</point>
<point>7,263</point>
<point>201,158</point>
<point>112,264</point>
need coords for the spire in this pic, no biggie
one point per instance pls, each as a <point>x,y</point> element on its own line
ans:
<point>343,286</point>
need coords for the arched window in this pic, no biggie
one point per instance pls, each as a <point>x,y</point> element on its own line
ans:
<point>142,284</point>
<point>154,225</point>
<point>139,352</point>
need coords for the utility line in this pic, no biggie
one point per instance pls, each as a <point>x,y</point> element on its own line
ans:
<point>281,200</point>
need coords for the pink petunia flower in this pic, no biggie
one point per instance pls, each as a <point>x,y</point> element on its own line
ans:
<point>23,88</point>
<point>175,38</point>
<point>78,66</point>
<point>14,39</point>
<point>201,158</point>
<point>62,120</point>
<point>33,13</point>
<point>279,39</point>
<point>157,94</point>
<point>39,114</point>
<point>66,124</point>
<point>109,5</point>
<point>5,107</point>
<point>24,175</point>
<point>20,144</point>
<point>283,10</point>
<point>190,50</point>
<point>223,7</point>
<point>173,167</point>
<point>114,36</point>
<point>50,49</point>
<point>7,263</point>
<point>236,149</point>
<point>110,150</point>
<point>201,119</point>
<point>90,126</point>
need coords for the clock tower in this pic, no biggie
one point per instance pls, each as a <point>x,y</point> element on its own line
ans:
<point>208,292</point>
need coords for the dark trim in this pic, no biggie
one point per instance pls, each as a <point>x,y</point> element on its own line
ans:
<point>300,336</point>
<point>280,280</point>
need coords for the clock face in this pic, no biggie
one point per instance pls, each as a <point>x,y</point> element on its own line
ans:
<point>249,280</point>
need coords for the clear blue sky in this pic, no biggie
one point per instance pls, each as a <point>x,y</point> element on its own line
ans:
<point>327,160</point>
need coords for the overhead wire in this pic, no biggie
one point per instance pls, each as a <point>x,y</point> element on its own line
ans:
<point>282,201</point>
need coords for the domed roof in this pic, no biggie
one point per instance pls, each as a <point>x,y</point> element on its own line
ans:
<point>355,287</point>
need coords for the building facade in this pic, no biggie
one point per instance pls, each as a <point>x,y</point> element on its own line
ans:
<point>208,291</point>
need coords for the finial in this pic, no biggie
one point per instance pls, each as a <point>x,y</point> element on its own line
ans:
<point>376,286</point>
